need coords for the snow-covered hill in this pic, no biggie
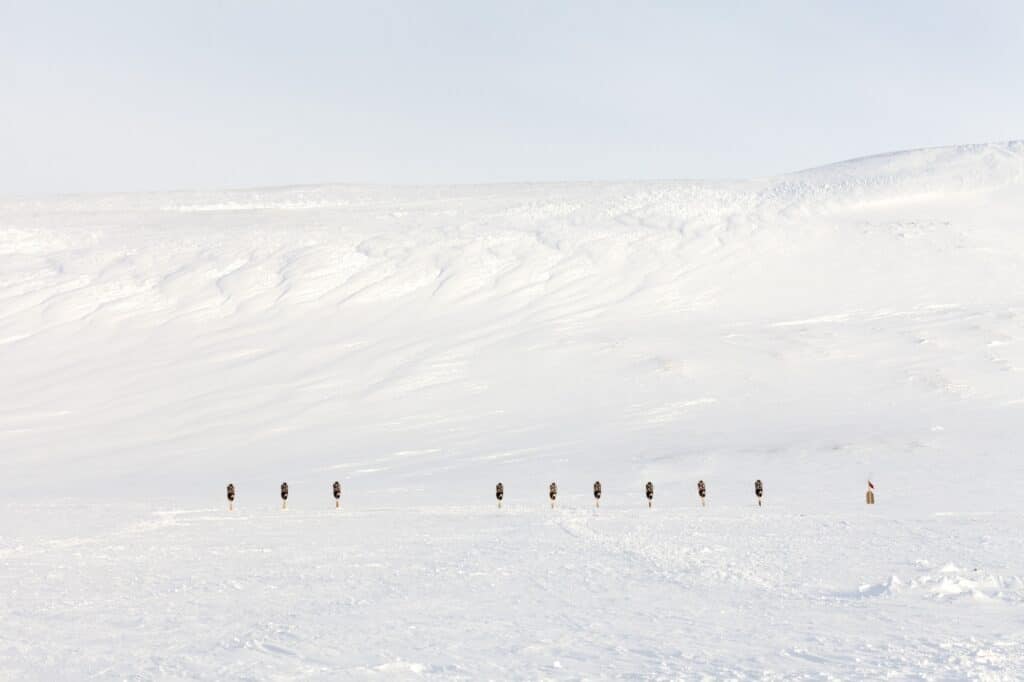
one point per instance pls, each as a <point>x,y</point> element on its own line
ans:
<point>421,343</point>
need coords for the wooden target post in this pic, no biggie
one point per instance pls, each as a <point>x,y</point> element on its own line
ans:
<point>337,495</point>
<point>597,494</point>
<point>553,493</point>
<point>284,495</point>
<point>869,496</point>
<point>649,492</point>
<point>231,497</point>
<point>499,492</point>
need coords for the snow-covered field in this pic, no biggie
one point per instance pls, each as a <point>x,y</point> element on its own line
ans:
<point>864,319</point>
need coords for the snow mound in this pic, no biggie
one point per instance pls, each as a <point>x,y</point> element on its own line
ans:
<point>950,583</point>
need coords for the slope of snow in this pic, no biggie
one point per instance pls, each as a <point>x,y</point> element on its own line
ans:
<point>421,343</point>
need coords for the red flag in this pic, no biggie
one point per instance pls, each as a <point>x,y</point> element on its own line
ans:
<point>871,485</point>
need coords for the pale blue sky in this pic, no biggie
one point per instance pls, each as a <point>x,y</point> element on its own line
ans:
<point>104,96</point>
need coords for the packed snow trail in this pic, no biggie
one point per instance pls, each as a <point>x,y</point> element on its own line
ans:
<point>860,320</point>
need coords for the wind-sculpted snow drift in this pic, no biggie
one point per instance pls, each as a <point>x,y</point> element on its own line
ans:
<point>422,343</point>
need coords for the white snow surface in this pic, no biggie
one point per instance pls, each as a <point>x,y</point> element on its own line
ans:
<point>420,344</point>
